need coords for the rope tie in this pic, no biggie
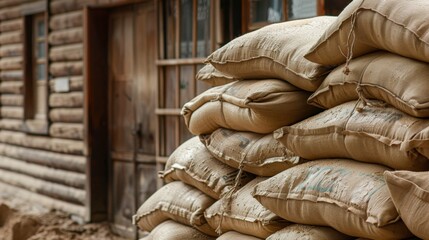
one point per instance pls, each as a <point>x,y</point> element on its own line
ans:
<point>351,40</point>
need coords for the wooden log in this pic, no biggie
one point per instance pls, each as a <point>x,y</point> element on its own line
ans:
<point>75,84</point>
<point>11,75</point>
<point>67,178</point>
<point>11,63</point>
<point>64,69</point>
<point>62,6</point>
<point>10,37</point>
<point>11,100</point>
<point>66,20</point>
<point>10,13</point>
<point>16,192</point>
<point>44,143</point>
<point>67,130</point>
<point>66,115</point>
<point>66,53</point>
<point>67,36</point>
<point>12,112</point>
<point>11,50</point>
<point>11,87</point>
<point>46,158</point>
<point>43,187</point>
<point>11,25</point>
<point>11,124</point>
<point>73,100</point>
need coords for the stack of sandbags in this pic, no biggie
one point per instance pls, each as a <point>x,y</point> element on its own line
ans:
<point>376,122</point>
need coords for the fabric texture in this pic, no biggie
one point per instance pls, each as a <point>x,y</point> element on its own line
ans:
<point>171,230</point>
<point>308,232</point>
<point>208,74</point>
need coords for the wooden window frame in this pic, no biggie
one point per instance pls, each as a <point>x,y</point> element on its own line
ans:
<point>32,125</point>
<point>248,26</point>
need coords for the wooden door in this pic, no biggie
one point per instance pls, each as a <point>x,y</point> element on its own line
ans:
<point>132,89</point>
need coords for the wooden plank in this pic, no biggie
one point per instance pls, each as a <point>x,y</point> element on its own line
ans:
<point>66,115</point>
<point>66,20</point>
<point>75,84</point>
<point>12,112</point>
<point>183,61</point>
<point>11,75</point>
<point>11,63</point>
<point>73,99</point>
<point>48,202</point>
<point>47,173</point>
<point>66,53</point>
<point>67,130</point>
<point>11,50</point>
<point>67,36</point>
<point>62,6</point>
<point>45,143</point>
<point>46,158</point>
<point>10,37</point>
<point>11,100</point>
<point>10,12</point>
<point>11,87</point>
<point>43,187</point>
<point>11,124</point>
<point>9,3</point>
<point>11,25</point>
<point>64,69</point>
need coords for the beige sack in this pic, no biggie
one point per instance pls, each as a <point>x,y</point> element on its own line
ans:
<point>350,196</point>
<point>376,135</point>
<point>397,26</point>
<point>410,194</point>
<point>275,51</point>
<point>193,164</point>
<point>176,201</point>
<point>171,230</point>
<point>231,235</point>
<point>251,105</point>
<point>308,232</point>
<point>245,215</point>
<point>399,81</point>
<point>213,77</point>
<point>259,154</point>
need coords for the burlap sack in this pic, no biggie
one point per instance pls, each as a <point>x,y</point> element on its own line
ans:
<point>397,26</point>
<point>350,196</point>
<point>244,214</point>
<point>410,194</point>
<point>171,230</point>
<point>251,105</point>
<point>275,51</point>
<point>398,81</point>
<point>193,164</point>
<point>375,135</point>
<point>213,77</point>
<point>176,201</point>
<point>308,232</point>
<point>231,235</point>
<point>259,154</point>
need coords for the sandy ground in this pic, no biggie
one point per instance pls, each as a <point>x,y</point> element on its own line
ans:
<point>19,221</point>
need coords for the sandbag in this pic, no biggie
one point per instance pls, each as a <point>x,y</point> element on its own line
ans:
<point>260,154</point>
<point>397,26</point>
<point>213,77</point>
<point>399,81</point>
<point>244,214</point>
<point>171,230</point>
<point>375,135</point>
<point>410,194</point>
<point>251,105</point>
<point>231,235</point>
<point>176,201</point>
<point>349,196</point>
<point>275,51</point>
<point>308,232</point>
<point>193,164</point>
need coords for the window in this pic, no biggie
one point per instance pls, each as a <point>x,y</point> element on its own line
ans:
<point>36,74</point>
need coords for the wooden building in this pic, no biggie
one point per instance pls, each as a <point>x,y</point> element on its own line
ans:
<point>91,92</point>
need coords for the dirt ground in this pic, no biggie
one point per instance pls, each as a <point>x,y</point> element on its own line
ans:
<point>37,223</point>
